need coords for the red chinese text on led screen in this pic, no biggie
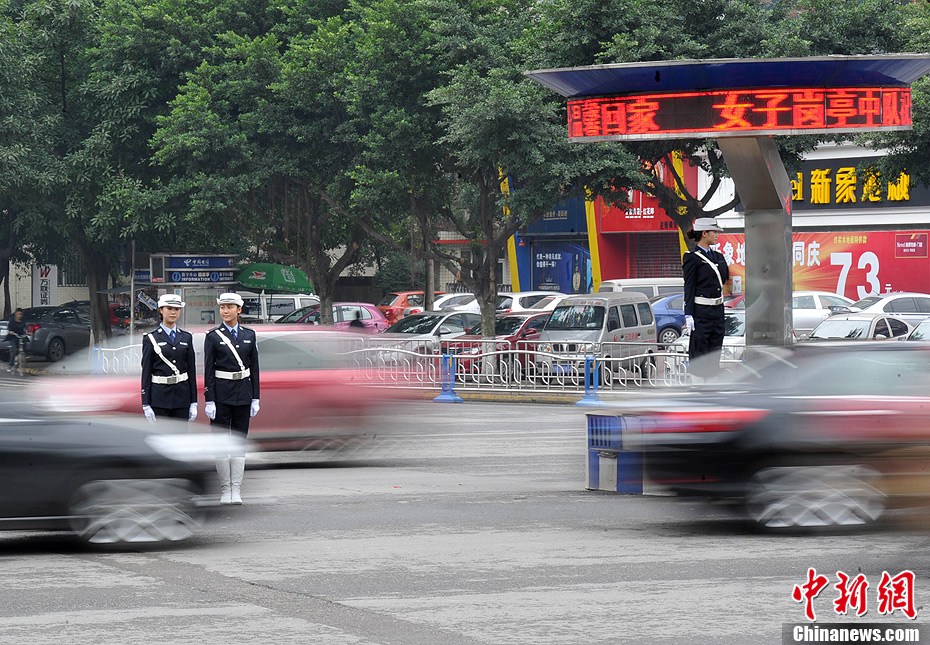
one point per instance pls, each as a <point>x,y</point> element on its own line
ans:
<point>740,111</point>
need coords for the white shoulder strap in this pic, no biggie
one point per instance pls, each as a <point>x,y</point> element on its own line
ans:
<point>231,347</point>
<point>158,351</point>
<point>712,266</point>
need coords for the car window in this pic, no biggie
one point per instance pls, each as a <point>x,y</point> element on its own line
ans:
<point>455,323</point>
<point>419,324</point>
<point>668,290</point>
<point>923,304</point>
<point>734,325</point>
<point>866,302</point>
<point>529,301</point>
<point>472,320</point>
<point>306,302</point>
<point>613,319</point>
<point>504,326</point>
<point>65,316</point>
<point>387,300</point>
<point>83,314</point>
<point>645,313</point>
<point>280,305</point>
<point>901,306</point>
<point>676,303</point>
<point>504,302</point>
<point>537,324</point>
<point>839,328</point>
<point>297,314</point>
<point>881,329</point>
<point>543,302</point>
<point>921,331</point>
<point>646,291</point>
<point>576,317</point>
<point>415,300</point>
<point>628,313</point>
<point>898,327</point>
<point>803,302</point>
<point>366,313</point>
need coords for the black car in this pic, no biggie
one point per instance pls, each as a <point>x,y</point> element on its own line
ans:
<point>116,480</point>
<point>818,436</point>
<point>54,332</point>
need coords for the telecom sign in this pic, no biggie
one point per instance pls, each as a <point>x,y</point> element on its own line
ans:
<point>200,277</point>
<point>192,269</point>
<point>200,262</point>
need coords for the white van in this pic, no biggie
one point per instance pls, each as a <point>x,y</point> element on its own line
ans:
<point>650,287</point>
<point>275,305</point>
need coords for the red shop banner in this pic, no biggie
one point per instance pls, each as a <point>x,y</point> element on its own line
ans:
<point>853,264</point>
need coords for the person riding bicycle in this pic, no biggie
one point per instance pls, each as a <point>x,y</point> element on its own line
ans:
<point>16,334</point>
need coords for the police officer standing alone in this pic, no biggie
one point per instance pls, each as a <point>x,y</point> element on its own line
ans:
<point>169,373</point>
<point>230,388</point>
<point>705,272</point>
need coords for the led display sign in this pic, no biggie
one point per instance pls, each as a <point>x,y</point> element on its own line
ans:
<point>748,112</point>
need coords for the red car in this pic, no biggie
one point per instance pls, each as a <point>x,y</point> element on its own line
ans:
<point>311,399</point>
<point>393,304</point>
<point>512,332</point>
<point>369,317</point>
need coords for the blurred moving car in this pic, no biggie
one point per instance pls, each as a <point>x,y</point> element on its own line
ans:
<point>313,396</point>
<point>810,308</point>
<point>908,306</point>
<point>344,313</point>
<point>812,437</point>
<point>111,481</point>
<point>511,332</point>
<point>669,311</point>
<point>424,334</point>
<point>864,326</point>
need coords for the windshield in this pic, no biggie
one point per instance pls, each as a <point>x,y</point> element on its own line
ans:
<point>505,326</point>
<point>734,325</point>
<point>836,329</point>
<point>423,324</point>
<point>388,300</point>
<point>866,302</point>
<point>921,332</point>
<point>297,314</point>
<point>576,317</point>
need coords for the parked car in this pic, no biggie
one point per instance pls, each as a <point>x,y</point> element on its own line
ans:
<point>908,306</point>
<point>862,326</point>
<point>650,287</point>
<point>393,304</point>
<point>734,339</point>
<point>549,302</point>
<point>344,313</point>
<point>119,315</point>
<point>814,437</point>
<point>55,331</point>
<point>313,397</point>
<point>669,312</point>
<point>457,301</point>
<point>258,309</point>
<point>423,334</point>
<point>112,481</point>
<point>810,308</point>
<point>512,302</point>
<point>511,332</point>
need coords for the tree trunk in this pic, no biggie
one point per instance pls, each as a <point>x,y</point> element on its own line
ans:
<point>97,266</point>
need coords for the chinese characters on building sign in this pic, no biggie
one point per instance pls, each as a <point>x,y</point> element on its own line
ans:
<point>730,112</point>
<point>847,186</point>
<point>893,593</point>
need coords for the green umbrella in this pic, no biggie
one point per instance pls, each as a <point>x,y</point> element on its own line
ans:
<point>264,276</point>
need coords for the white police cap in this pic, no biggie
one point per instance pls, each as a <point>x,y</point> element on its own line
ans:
<point>706,224</point>
<point>229,299</point>
<point>170,300</point>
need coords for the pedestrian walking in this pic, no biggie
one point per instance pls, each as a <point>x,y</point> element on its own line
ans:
<point>231,388</point>
<point>705,272</point>
<point>169,370</point>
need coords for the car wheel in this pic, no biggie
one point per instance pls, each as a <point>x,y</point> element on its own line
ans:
<point>133,511</point>
<point>56,350</point>
<point>815,497</point>
<point>668,335</point>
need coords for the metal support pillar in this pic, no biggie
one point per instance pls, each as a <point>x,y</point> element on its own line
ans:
<point>765,193</point>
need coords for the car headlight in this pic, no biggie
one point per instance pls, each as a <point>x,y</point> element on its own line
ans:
<point>547,347</point>
<point>195,447</point>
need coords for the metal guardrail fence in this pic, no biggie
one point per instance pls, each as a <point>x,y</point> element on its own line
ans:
<point>484,365</point>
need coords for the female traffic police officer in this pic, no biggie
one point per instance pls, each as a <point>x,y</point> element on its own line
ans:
<point>705,272</point>
<point>230,387</point>
<point>169,374</point>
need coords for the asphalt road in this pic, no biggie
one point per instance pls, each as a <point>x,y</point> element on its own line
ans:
<point>469,524</point>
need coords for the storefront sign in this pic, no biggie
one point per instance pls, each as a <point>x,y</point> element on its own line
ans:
<point>561,266</point>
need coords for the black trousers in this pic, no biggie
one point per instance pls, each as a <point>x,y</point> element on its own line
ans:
<point>173,413</point>
<point>704,350</point>
<point>232,417</point>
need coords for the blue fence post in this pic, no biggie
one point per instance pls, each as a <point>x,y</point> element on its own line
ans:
<point>590,383</point>
<point>447,380</point>
<point>96,361</point>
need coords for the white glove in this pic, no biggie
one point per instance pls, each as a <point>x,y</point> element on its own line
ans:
<point>209,409</point>
<point>149,413</point>
<point>255,408</point>
<point>192,413</point>
<point>689,323</point>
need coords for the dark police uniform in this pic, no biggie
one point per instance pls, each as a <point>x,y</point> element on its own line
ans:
<point>704,301</point>
<point>227,383</point>
<point>170,393</point>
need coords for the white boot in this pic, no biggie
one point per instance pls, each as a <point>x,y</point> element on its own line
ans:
<point>222,470</point>
<point>237,470</point>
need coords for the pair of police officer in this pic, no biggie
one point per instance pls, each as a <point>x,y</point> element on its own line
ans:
<point>705,272</point>
<point>231,379</point>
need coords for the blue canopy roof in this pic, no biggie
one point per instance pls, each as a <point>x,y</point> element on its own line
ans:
<point>886,70</point>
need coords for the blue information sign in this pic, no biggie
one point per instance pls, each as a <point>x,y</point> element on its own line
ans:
<point>191,262</point>
<point>200,277</point>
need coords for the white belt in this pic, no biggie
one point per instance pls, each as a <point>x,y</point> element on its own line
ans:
<point>169,380</point>
<point>709,302</point>
<point>232,376</point>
